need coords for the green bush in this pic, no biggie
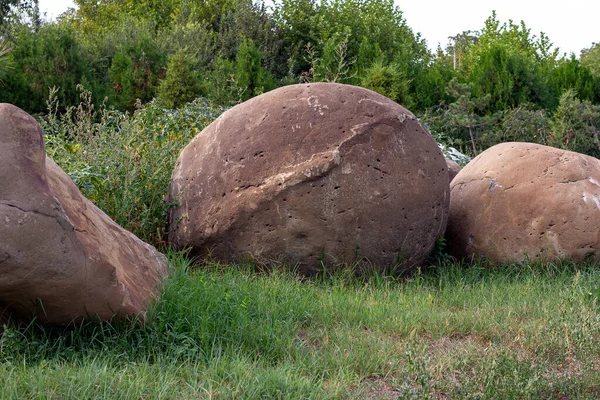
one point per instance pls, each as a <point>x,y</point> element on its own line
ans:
<point>192,36</point>
<point>123,162</point>
<point>181,84</point>
<point>388,81</point>
<point>520,124</point>
<point>39,60</point>
<point>221,85</point>
<point>575,125</point>
<point>135,72</point>
<point>251,75</point>
<point>569,73</point>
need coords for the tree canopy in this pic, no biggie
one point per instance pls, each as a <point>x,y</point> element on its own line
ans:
<point>231,50</point>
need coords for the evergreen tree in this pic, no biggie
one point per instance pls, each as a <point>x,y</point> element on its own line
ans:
<point>463,112</point>
<point>250,73</point>
<point>180,85</point>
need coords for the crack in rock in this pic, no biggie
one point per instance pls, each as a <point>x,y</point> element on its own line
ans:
<point>10,205</point>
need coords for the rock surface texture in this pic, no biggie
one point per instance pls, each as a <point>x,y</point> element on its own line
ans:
<point>310,173</point>
<point>453,169</point>
<point>523,200</point>
<point>61,258</point>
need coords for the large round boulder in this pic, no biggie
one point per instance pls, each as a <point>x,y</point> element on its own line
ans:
<point>519,201</point>
<point>62,258</point>
<point>309,175</point>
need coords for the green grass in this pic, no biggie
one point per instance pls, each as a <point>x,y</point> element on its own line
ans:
<point>223,331</point>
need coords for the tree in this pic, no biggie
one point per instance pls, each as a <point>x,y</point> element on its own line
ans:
<point>523,124</point>
<point>9,6</point>
<point>388,81</point>
<point>327,24</point>
<point>569,73</point>
<point>459,46</point>
<point>298,21</point>
<point>5,66</point>
<point>135,71</point>
<point>590,58</point>
<point>181,85</point>
<point>462,113</point>
<point>250,73</point>
<point>40,60</point>
<point>334,65</point>
<point>575,125</point>
<point>508,64</point>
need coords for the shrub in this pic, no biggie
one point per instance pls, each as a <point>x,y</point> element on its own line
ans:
<point>124,162</point>
<point>520,124</point>
<point>252,77</point>
<point>192,36</point>
<point>39,60</point>
<point>181,84</point>
<point>221,85</point>
<point>388,81</point>
<point>575,125</point>
<point>134,74</point>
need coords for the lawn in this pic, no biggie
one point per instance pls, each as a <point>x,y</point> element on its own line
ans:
<point>229,332</point>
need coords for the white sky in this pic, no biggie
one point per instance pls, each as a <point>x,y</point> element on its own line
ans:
<point>572,25</point>
<point>53,8</point>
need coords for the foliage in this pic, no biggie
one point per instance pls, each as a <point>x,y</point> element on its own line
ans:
<point>221,84</point>
<point>521,124</point>
<point>39,60</point>
<point>389,81</point>
<point>576,125</point>
<point>252,77</point>
<point>195,38</point>
<point>334,65</point>
<point>428,88</point>
<point>8,6</point>
<point>181,85</point>
<point>135,70</point>
<point>460,46</point>
<point>5,64</point>
<point>507,63</point>
<point>298,21</point>
<point>463,112</point>
<point>590,58</point>
<point>570,74</point>
<point>123,162</point>
<point>347,36</point>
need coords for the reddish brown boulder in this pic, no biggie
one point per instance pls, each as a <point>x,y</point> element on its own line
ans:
<point>523,200</point>
<point>61,258</point>
<point>453,169</point>
<point>310,173</point>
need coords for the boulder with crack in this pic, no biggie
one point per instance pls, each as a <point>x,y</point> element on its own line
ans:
<point>309,175</point>
<point>62,258</point>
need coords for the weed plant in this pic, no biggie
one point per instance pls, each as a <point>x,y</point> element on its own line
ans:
<point>123,162</point>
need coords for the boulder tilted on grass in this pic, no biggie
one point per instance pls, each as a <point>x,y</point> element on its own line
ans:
<point>524,200</point>
<point>62,258</point>
<point>311,174</point>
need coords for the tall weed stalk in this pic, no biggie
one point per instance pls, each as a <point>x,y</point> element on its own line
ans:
<point>123,162</point>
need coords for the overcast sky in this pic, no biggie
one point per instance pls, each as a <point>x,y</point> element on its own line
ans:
<point>571,25</point>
